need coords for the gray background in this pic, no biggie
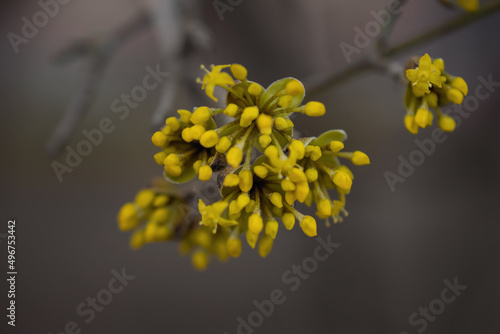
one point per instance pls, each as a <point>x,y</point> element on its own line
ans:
<point>396,248</point>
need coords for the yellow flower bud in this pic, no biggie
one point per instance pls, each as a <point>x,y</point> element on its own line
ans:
<point>315,109</point>
<point>277,199</point>
<point>173,123</point>
<point>128,217</point>
<point>186,135</point>
<point>200,260</point>
<point>410,124</point>
<point>288,220</point>
<point>447,123</point>
<point>271,229</point>
<point>246,180</point>
<point>197,131</point>
<point>439,63</point>
<point>137,240</point>
<point>290,197</point>
<point>265,140</point>
<point>150,232</point>
<point>252,238</point>
<point>185,115</point>
<point>201,115</point>
<point>234,247</point>
<point>308,225</point>
<point>265,246</point>
<point>239,72</point>
<point>294,88</point>
<point>209,139</point>
<point>231,110</point>
<point>205,173</point>
<point>248,116</point>
<point>280,123</point>
<point>196,166</point>
<point>171,160</point>
<point>359,158</point>
<point>144,198</point>
<point>455,96</point>
<point>265,124</point>
<point>336,146</point>
<point>422,117</point>
<point>161,215</point>
<point>223,144</point>
<point>311,174</point>
<point>260,171</point>
<point>285,101</point>
<point>432,99</point>
<point>313,152</point>
<point>254,89</point>
<point>325,207</point>
<point>460,84</point>
<point>234,156</point>
<point>173,170</point>
<point>287,185</point>
<point>298,148</point>
<point>243,200</point>
<point>160,157</point>
<point>255,223</point>
<point>231,180</point>
<point>301,191</point>
<point>342,180</point>
<point>159,139</point>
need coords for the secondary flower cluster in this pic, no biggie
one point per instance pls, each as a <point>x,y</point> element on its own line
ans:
<point>431,87</point>
<point>257,189</point>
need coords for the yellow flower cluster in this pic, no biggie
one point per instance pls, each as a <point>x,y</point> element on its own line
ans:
<point>160,213</point>
<point>431,87</point>
<point>257,189</point>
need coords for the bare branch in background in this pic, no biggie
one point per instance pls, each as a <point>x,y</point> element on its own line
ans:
<point>99,50</point>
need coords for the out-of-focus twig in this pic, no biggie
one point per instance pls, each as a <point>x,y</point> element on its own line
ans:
<point>99,50</point>
<point>370,63</point>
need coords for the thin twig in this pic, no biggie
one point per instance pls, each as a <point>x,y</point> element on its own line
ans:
<point>366,63</point>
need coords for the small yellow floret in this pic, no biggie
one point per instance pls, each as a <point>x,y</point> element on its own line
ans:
<point>128,217</point>
<point>447,123</point>
<point>277,199</point>
<point>201,115</point>
<point>252,238</point>
<point>205,173</point>
<point>315,109</point>
<point>246,180</point>
<point>254,89</point>
<point>231,110</point>
<point>248,116</point>
<point>197,131</point>
<point>294,88</point>
<point>288,220</point>
<point>410,124</point>
<point>231,180</point>
<point>255,223</point>
<point>271,229</point>
<point>185,115</point>
<point>234,156</point>
<point>308,225</point>
<point>223,144</point>
<point>265,140</point>
<point>422,117</point>
<point>360,159</point>
<point>265,124</point>
<point>325,207</point>
<point>209,139</point>
<point>265,246</point>
<point>144,198</point>
<point>200,260</point>
<point>239,71</point>
<point>285,101</point>
<point>159,139</point>
<point>187,135</point>
<point>311,174</point>
<point>173,123</point>
<point>234,247</point>
<point>342,180</point>
<point>261,171</point>
<point>336,146</point>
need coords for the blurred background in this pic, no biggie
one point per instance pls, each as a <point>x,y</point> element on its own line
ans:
<point>396,249</point>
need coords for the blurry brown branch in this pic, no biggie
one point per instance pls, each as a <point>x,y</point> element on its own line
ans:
<point>377,56</point>
<point>99,50</point>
